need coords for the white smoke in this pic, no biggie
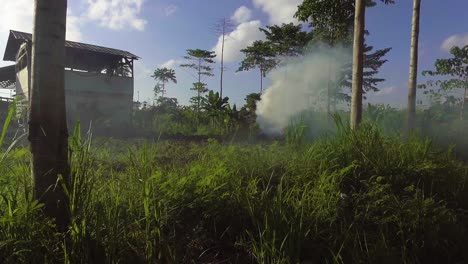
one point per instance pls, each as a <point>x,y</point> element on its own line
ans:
<point>300,84</point>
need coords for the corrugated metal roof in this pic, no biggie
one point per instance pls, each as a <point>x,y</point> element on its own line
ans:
<point>16,38</point>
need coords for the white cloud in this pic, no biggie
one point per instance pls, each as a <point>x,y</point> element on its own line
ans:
<point>244,35</point>
<point>170,10</point>
<point>386,91</point>
<point>141,70</point>
<point>171,64</point>
<point>18,15</point>
<point>242,14</point>
<point>117,14</point>
<point>459,40</point>
<point>73,27</point>
<point>279,11</point>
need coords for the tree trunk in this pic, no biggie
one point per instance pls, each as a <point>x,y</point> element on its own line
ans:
<point>199,83</point>
<point>222,59</point>
<point>413,71</point>
<point>358,63</point>
<point>261,81</point>
<point>328,92</point>
<point>48,132</point>
<point>465,100</point>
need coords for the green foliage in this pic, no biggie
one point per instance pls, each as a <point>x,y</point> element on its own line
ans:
<point>373,62</point>
<point>332,20</point>
<point>454,74</point>
<point>333,23</point>
<point>9,117</point>
<point>259,55</point>
<point>199,61</point>
<point>356,197</point>
<point>163,75</point>
<point>287,40</point>
<point>201,89</point>
<point>215,118</point>
<point>456,67</point>
<point>214,103</point>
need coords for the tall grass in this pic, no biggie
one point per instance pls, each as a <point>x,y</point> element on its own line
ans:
<point>354,197</point>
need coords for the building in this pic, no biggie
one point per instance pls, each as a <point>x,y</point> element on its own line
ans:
<point>99,81</point>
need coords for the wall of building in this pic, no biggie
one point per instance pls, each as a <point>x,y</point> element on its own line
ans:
<point>98,97</point>
<point>22,83</point>
<point>92,96</point>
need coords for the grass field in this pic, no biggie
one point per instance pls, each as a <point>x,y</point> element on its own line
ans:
<point>351,197</point>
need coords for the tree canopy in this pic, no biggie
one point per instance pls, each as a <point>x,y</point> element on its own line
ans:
<point>287,39</point>
<point>163,75</point>
<point>331,20</point>
<point>200,61</point>
<point>454,70</point>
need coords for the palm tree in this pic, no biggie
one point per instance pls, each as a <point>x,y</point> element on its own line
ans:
<point>48,132</point>
<point>164,75</point>
<point>413,66</point>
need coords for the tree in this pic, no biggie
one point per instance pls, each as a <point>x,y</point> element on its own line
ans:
<point>455,67</point>
<point>248,111</point>
<point>287,40</point>
<point>214,104</point>
<point>167,105</point>
<point>358,59</point>
<point>164,75</point>
<point>332,20</point>
<point>158,90</point>
<point>413,71</point>
<point>200,62</point>
<point>333,23</point>
<point>222,28</point>
<point>201,89</point>
<point>259,55</point>
<point>372,63</point>
<point>48,132</point>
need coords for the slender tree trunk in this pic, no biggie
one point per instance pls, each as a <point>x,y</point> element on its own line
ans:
<point>199,84</point>
<point>413,71</point>
<point>261,81</point>
<point>328,91</point>
<point>329,81</point>
<point>465,100</point>
<point>358,62</point>
<point>222,59</point>
<point>48,132</point>
<point>163,88</point>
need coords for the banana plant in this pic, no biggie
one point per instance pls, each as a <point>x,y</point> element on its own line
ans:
<point>215,106</point>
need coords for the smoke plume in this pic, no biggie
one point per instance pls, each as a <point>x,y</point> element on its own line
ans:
<point>300,84</point>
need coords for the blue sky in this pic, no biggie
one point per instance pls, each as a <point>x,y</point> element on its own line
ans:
<point>159,31</point>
